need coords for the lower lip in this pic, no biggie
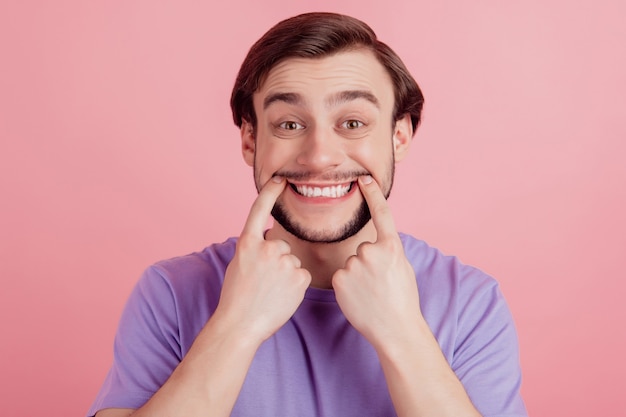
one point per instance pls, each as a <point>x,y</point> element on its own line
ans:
<point>324,200</point>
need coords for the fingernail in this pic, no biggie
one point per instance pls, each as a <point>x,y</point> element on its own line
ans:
<point>277,179</point>
<point>367,179</point>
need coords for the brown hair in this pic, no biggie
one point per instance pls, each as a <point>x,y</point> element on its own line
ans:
<point>315,35</point>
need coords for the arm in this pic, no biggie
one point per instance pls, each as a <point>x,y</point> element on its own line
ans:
<point>378,294</point>
<point>263,287</point>
<point>208,378</point>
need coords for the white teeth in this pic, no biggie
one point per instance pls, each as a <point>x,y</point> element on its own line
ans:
<point>335,191</point>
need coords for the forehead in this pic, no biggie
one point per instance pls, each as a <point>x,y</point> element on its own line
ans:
<point>319,79</point>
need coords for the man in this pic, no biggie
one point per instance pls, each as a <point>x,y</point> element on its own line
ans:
<point>330,312</point>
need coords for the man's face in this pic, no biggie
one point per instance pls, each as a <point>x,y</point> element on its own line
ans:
<point>322,123</point>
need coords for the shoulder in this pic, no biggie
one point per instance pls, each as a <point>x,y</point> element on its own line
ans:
<point>472,323</point>
<point>187,272</point>
<point>453,295</point>
<point>175,297</point>
<point>215,256</point>
<point>185,285</point>
<point>435,269</point>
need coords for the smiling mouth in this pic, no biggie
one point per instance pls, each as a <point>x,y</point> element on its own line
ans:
<point>334,191</point>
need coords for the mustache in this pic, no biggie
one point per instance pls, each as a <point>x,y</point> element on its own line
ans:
<point>335,176</point>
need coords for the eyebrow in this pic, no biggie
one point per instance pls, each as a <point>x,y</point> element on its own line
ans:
<point>351,95</point>
<point>289,98</point>
<point>335,100</point>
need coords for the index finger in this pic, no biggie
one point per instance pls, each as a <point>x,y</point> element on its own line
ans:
<point>379,208</point>
<point>262,207</point>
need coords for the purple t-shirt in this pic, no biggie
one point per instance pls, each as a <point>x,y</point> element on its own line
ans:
<point>317,364</point>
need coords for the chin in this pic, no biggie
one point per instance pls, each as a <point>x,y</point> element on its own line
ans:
<point>358,220</point>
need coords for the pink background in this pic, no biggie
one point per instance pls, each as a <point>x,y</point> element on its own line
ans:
<point>117,150</point>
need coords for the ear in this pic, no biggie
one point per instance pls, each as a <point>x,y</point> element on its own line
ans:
<point>402,136</point>
<point>247,142</point>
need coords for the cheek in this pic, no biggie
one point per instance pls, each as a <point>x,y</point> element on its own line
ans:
<point>269,159</point>
<point>375,158</point>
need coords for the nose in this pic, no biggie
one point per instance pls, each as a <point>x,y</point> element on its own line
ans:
<point>321,150</point>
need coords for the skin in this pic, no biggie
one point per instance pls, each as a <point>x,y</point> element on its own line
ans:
<point>314,140</point>
<point>321,124</point>
<point>323,147</point>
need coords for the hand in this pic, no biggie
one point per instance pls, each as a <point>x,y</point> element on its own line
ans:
<point>264,283</point>
<point>376,290</point>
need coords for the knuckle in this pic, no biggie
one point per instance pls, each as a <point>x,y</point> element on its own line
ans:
<point>295,260</point>
<point>286,263</point>
<point>339,279</point>
<point>304,277</point>
<point>364,250</point>
<point>275,247</point>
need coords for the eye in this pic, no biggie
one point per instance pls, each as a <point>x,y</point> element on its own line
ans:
<point>352,124</point>
<point>290,125</point>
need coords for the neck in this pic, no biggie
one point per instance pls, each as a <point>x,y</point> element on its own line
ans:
<point>322,260</point>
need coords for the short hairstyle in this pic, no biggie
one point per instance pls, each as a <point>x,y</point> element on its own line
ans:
<point>316,35</point>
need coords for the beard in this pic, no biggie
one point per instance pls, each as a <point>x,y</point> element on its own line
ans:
<point>357,221</point>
